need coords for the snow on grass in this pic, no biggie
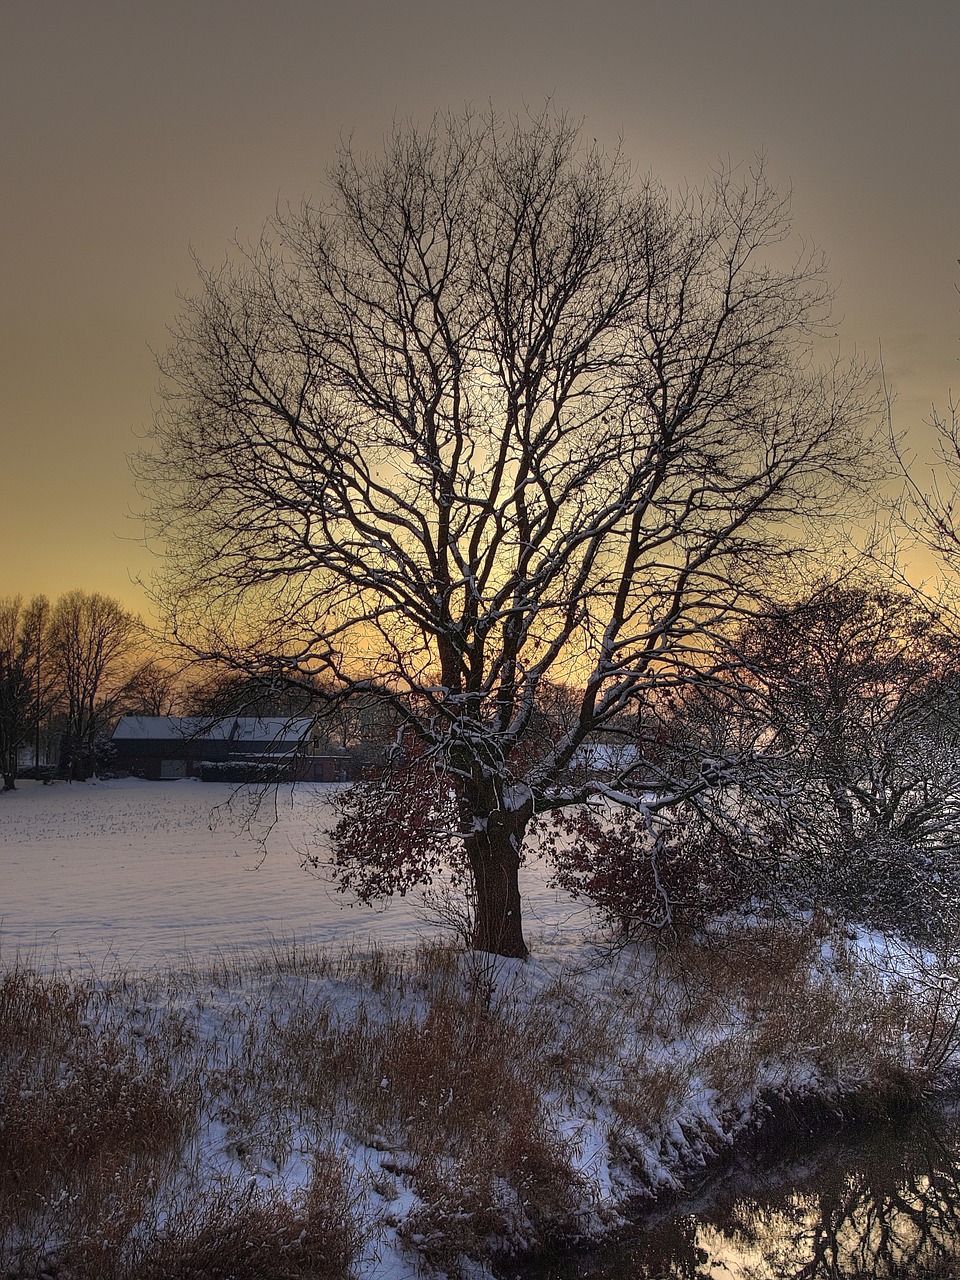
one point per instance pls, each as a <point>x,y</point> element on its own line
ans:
<point>316,1107</point>
<point>407,1109</point>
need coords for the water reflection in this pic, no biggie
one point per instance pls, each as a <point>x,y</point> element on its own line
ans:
<point>883,1205</point>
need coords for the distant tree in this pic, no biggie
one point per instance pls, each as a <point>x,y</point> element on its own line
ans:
<point>833,738</point>
<point>93,647</point>
<point>153,689</point>
<point>858,710</point>
<point>219,693</point>
<point>498,416</point>
<point>24,681</point>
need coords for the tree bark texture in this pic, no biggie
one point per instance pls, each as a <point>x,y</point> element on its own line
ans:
<point>494,857</point>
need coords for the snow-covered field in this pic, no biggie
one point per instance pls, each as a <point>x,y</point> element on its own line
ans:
<point>637,1067</point>
<point>134,873</point>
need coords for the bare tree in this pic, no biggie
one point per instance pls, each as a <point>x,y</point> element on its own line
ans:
<point>24,683</point>
<point>153,689</point>
<point>498,415</point>
<point>856,709</point>
<point>932,514</point>
<point>93,643</point>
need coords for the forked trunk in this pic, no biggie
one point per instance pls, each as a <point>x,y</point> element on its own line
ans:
<point>494,855</point>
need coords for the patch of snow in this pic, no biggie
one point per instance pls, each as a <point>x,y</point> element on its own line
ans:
<point>132,873</point>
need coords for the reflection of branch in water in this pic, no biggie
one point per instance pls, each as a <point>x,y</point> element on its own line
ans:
<point>886,1210</point>
<point>891,1213</point>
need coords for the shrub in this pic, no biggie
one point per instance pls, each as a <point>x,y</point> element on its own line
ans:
<point>677,879</point>
<point>244,771</point>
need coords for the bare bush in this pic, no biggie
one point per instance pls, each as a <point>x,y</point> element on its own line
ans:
<point>242,1233</point>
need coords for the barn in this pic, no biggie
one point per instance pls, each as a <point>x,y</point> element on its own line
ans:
<point>230,749</point>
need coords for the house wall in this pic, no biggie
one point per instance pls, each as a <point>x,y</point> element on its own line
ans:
<point>324,769</point>
<point>158,757</point>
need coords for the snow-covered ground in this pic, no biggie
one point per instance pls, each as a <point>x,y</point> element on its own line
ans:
<point>651,1062</point>
<point>135,873</point>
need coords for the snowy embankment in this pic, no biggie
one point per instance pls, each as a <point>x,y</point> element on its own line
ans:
<point>382,1111</point>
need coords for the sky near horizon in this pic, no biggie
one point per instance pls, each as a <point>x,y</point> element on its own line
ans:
<point>134,134</point>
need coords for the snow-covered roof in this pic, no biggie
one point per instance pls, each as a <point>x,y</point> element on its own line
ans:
<point>167,727</point>
<point>271,729</point>
<point>276,729</point>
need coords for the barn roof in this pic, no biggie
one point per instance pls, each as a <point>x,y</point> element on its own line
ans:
<point>168,727</point>
<point>231,728</point>
<point>271,729</point>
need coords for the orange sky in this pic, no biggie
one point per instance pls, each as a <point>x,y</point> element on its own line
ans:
<point>131,131</point>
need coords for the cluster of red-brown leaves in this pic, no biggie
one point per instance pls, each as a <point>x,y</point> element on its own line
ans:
<point>398,829</point>
<point>686,872</point>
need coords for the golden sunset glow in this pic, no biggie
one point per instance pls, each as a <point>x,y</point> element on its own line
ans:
<point>133,133</point>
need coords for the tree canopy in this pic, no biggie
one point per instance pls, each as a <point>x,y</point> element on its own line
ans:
<point>497,417</point>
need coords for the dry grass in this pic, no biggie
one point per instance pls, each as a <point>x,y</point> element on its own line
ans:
<point>92,1117</point>
<point>248,1234</point>
<point>451,1092</point>
<point>102,1103</point>
<point>150,1124</point>
<point>647,1093</point>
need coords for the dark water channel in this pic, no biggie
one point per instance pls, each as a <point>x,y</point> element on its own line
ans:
<point>879,1202</point>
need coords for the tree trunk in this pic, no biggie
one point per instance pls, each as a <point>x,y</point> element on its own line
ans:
<point>494,856</point>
